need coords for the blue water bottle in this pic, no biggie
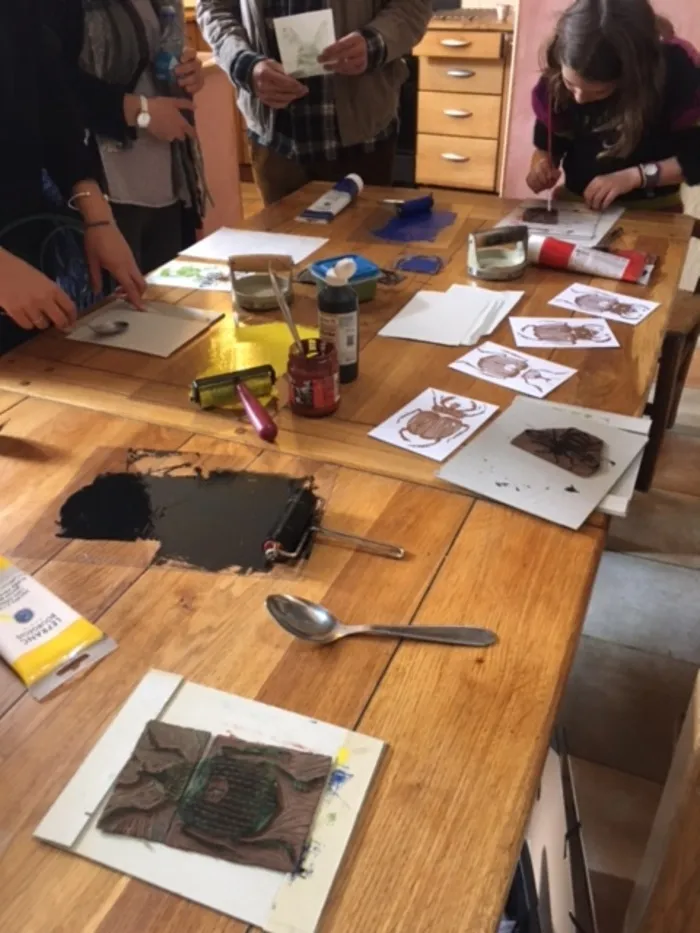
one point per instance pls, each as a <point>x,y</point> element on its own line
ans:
<point>172,43</point>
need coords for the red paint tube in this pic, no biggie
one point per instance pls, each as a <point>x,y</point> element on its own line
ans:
<point>558,254</point>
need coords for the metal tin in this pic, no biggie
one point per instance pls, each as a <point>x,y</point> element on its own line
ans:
<point>250,281</point>
<point>497,255</point>
<point>314,379</point>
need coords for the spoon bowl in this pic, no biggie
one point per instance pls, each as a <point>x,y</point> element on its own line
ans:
<point>311,622</point>
<point>108,328</point>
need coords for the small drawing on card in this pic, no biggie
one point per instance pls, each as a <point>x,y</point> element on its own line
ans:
<point>602,303</point>
<point>562,332</point>
<point>302,38</point>
<point>434,424</point>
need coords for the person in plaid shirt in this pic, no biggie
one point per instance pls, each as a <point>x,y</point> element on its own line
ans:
<point>324,127</point>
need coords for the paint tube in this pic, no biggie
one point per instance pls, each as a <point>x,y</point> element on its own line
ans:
<point>44,641</point>
<point>327,208</point>
<point>558,254</point>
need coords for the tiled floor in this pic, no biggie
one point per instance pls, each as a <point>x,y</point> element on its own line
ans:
<point>639,655</point>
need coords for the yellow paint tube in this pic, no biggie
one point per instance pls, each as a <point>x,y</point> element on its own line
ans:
<point>45,642</point>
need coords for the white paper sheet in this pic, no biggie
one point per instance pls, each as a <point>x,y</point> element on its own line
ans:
<point>434,424</point>
<point>159,331</point>
<point>577,224</point>
<point>207,276</point>
<point>227,242</point>
<point>493,467</point>
<point>562,333</point>
<point>458,317</point>
<point>498,306</point>
<point>276,902</point>
<point>513,370</point>
<point>601,303</point>
<point>301,39</point>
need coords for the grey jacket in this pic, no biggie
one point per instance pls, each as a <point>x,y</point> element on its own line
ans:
<point>366,104</point>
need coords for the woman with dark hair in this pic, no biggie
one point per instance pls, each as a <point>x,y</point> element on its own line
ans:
<point>142,121</point>
<point>617,109</point>
<point>40,131</point>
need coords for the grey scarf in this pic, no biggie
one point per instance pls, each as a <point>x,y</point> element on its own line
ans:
<point>115,50</point>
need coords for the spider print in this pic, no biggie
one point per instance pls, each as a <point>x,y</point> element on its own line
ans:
<point>443,420</point>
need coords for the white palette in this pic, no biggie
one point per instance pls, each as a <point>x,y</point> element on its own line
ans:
<point>276,902</point>
<point>492,467</point>
<point>227,242</point>
<point>207,276</point>
<point>601,303</point>
<point>576,223</point>
<point>458,317</point>
<point>434,424</point>
<point>159,331</point>
<point>513,370</point>
<point>301,39</point>
<point>562,333</point>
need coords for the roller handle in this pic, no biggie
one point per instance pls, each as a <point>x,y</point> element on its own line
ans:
<point>258,415</point>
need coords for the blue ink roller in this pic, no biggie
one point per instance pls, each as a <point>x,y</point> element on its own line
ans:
<point>415,220</point>
<point>415,206</point>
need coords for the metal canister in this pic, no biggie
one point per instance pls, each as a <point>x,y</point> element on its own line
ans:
<point>314,379</point>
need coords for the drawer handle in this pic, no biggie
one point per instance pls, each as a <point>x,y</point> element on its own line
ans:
<point>458,114</point>
<point>460,73</point>
<point>453,157</point>
<point>455,43</point>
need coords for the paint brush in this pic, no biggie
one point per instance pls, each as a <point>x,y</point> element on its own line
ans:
<point>286,312</point>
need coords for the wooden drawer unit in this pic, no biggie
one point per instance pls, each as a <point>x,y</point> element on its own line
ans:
<point>455,43</point>
<point>461,76</point>
<point>459,114</point>
<point>455,162</point>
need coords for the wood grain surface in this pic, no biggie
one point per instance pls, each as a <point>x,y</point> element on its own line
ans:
<point>467,730</point>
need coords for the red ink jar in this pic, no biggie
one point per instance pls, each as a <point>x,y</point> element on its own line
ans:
<point>314,379</point>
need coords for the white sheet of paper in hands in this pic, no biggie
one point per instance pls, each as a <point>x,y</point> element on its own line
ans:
<point>301,39</point>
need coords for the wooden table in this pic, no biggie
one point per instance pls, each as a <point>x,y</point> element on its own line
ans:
<point>467,730</point>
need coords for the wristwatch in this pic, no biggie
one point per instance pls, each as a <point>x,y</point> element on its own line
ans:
<point>651,174</point>
<point>143,118</point>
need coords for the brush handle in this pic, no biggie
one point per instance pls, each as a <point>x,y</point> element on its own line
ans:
<point>258,415</point>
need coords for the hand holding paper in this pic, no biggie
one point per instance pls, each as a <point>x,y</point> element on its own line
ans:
<point>273,87</point>
<point>347,56</point>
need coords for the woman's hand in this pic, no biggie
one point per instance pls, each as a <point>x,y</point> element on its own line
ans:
<point>605,189</point>
<point>168,116</point>
<point>106,248</point>
<point>189,73</point>
<point>30,298</point>
<point>543,175</point>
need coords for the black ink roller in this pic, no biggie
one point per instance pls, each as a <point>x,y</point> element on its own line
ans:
<point>413,208</point>
<point>293,534</point>
<point>247,386</point>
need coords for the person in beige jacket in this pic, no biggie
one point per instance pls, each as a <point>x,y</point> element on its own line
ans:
<point>319,128</point>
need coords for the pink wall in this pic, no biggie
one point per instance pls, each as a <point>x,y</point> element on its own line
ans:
<point>535,21</point>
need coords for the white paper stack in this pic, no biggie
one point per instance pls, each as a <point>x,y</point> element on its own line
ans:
<point>227,242</point>
<point>461,316</point>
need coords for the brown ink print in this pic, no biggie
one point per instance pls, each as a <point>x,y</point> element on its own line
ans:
<point>504,365</point>
<point>148,789</point>
<point>565,332</point>
<point>607,304</point>
<point>252,804</point>
<point>443,420</point>
<point>540,215</point>
<point>569,448</point>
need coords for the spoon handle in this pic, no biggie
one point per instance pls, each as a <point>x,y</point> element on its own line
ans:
<point>447,635</point>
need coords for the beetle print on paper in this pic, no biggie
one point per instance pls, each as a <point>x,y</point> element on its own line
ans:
<point>567,333</point>
<point>444,419</point>
<point>504,365</point>
<point>601,303</point>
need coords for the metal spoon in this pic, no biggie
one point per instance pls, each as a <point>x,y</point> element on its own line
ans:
<point>311,622</point>
<point>108,328</point>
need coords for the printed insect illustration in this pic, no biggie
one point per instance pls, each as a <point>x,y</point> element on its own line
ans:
<point>504,365</point>
<point>600,303</point>
<point>445,419</point>
<point>306,52</point>
<point>565,333</point>
<point>540,215</point>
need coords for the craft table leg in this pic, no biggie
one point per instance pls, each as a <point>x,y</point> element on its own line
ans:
<point>669,364</point>
<point>689,349</point>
